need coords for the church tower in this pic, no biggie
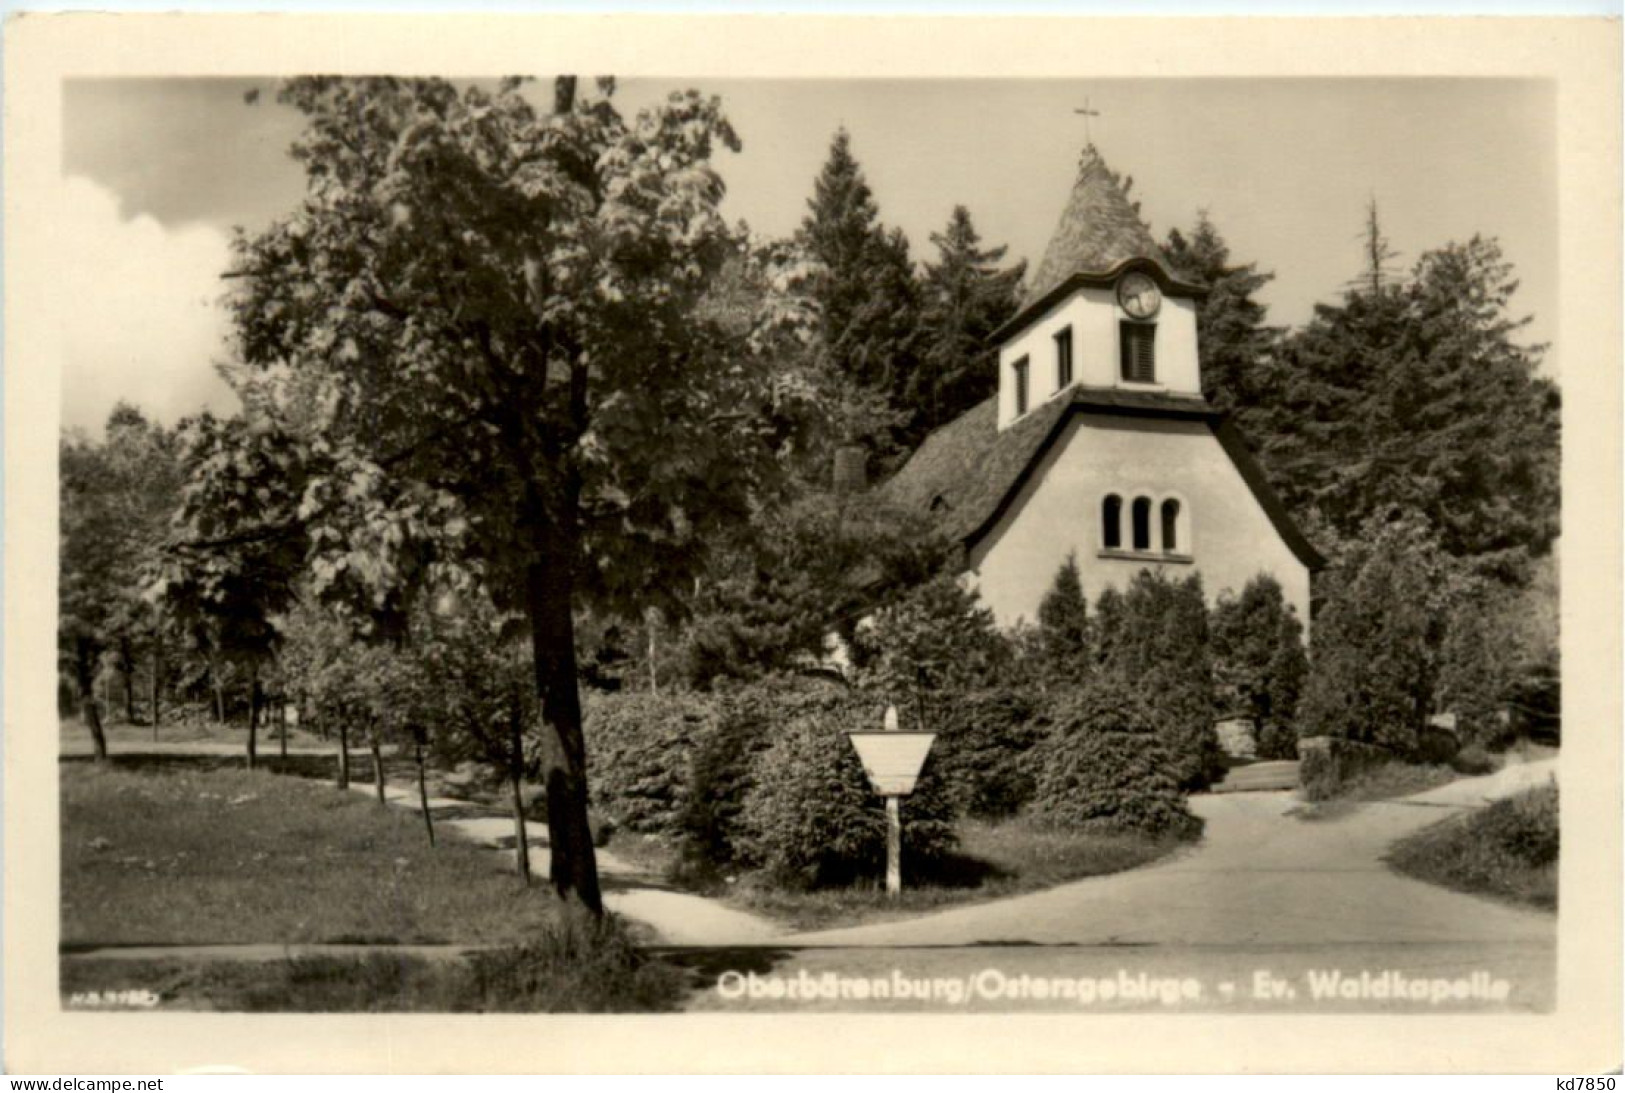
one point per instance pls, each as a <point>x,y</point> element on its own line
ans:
<point>1103,310</point>
<point>1099,446</point>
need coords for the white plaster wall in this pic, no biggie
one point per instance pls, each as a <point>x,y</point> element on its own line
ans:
<point>1094,315</point>
<point>1229,537</point>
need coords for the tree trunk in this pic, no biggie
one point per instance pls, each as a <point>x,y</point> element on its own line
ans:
<point>126,660</point>
<point>253,715</point>
<point>344,752</point>
<point>423,793</point>
<point>84,670</point>
<point>377,750</point>
<point>549,595</point>
<point>157,679</point>
<point>516,774</point>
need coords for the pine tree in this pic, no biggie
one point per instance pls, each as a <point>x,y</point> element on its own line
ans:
<point>966,296</point>
<point>1234,341</point>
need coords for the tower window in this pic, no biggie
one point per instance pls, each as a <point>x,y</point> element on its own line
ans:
<point>1170,525</point>
<point>1111,522</point>
<point>1021,386</point>
<point>1063,359</point>
<point>1138,344</point>
<point>1141,519</point>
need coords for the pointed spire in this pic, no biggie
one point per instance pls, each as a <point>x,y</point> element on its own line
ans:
<point>1099,228</point>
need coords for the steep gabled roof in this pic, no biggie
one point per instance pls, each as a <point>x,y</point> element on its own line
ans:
<point>1099,229</point>
<point>968,472</point>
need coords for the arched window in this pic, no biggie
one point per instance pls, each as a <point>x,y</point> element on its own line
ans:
<point>1170,525</point>
<point>1141,517</point>
<point>1111,522</point>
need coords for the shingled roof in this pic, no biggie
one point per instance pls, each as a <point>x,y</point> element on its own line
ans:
<point>967,472</point>
<point>1099,229</point>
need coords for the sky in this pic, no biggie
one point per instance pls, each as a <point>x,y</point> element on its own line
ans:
<point>158,172</point>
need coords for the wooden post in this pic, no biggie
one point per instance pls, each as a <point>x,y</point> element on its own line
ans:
<point>894,847</point>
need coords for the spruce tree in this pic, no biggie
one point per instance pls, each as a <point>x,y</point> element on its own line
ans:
<point>965,297</point>
<point>1233,339</point>
<point>1417,393</point>
<point>1063,624</point>
<point>864,288</point>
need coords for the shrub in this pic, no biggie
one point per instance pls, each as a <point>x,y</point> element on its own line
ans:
<point>1373,667</point>
<point>983,738</point>
<point>1317,775</point>
<point>1063,625</point>
<point>1153,641</point>
<point>720,774</point>
<point>1509,849</point>
<point>1473,760</point>
<point>1436,744</point>
<point>578,964</point>
<point>1259,662</point>
<point>1277,741</point>
<point>640,744</point>
<point>810,818</point>
<point>1478,661</point>
<point>1103,767</point>
<point>938,639</point>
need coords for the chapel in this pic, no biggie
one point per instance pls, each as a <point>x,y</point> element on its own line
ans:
<point>1099,443</point>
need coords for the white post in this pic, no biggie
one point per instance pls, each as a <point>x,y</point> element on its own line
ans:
<point>894,827</point>
<point>894,847</point>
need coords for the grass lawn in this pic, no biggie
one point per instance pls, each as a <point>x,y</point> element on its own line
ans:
<point>571,966</point>
<point>994,860</point>
<point>1508,850</point>
<point>177,854</point>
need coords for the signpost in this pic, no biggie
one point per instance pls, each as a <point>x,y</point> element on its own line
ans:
<point>893,760</point>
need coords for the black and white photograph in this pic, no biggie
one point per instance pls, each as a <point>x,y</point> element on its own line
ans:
<point>1063,542</point>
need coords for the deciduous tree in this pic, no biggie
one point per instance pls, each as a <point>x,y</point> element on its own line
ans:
<point>490,314</point>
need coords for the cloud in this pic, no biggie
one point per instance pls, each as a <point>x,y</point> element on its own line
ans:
<point>140,311</point>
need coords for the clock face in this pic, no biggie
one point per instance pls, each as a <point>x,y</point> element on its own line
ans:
<point>1139,295</point>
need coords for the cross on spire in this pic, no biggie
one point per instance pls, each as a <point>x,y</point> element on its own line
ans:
<point>1087,114</point>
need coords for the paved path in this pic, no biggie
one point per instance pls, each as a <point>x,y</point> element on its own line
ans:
<point>1258,916</point>
<point>677,918</point>
<point>1257,877</point>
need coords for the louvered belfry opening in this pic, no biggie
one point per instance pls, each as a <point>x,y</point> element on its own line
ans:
<point>1138,342</point>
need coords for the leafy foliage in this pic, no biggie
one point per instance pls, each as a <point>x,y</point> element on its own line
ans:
<point>1478,661</point>
<point>1231,334</point>
<point>965,297</point>
<point>934,643</point>
<point>116,500</point>
<point>1103,766</point>
<point>1063,625</point>
<point>1259,662</point>
<point>494,333</point>
<point>723,766</point>
<point>982,750</point>
<point>1416,392</point>
<point>642,747</point>
<point>862,284</point>
<point>800,570</point>
<point>1153,640</point>
<point>811,819</point>
<point>1375,643</point>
